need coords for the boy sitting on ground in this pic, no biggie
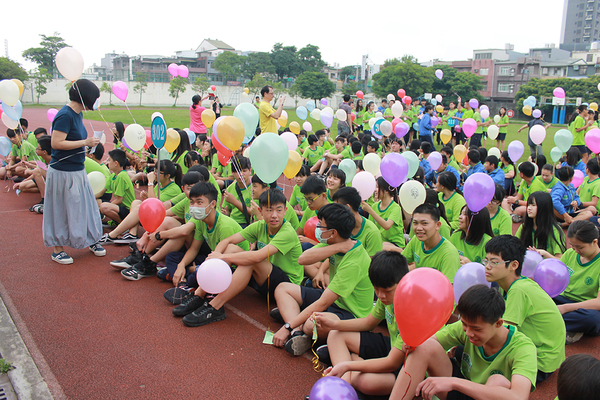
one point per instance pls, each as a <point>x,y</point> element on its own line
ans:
<point>36,182</point>
<point>121,186</point>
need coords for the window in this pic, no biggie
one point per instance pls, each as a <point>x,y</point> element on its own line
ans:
<point>483,56</point>
<point>505,71</point>
<point>503,88</point>
<point>582,70</point>
<point>544,71</point>
<point>589,58</point>
<point>483,71</point>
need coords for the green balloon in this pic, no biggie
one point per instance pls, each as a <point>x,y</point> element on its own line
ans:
<point>413,163</point>
<point>556,154</point>
<point>269,156</point>
<point>349,169</point>
<point>248,114</point>
<point>563,139</point>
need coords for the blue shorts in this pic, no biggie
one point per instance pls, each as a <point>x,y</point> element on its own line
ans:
<point>310,295</point>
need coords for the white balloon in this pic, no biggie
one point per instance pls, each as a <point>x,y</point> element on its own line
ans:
<point>391,97</point>
<point>438,98</point>
<point>494,151</point>
<point>497,118</point>
<point>341,115</point>
<point>156,114</point>
<point>386,128</point>
<point>9,122</point>
<point>307,126</point>
<point>97,181</point>
<point>397,109</point>
<point>493,131</point>
<point>70,63</point>
<point>371,121</point>
<point>485,113</point>
<point>329,110</point>
<point>371,163</point>
<point>9,92</point>
<point>378,115</point>
<point>135,136</point>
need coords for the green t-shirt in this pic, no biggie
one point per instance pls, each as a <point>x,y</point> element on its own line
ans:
<point>224,171</point>
<point>535,314</point>
<point>298,198</point>
<point>31,139</point>
<point>445,231</point>
<point>475,253</point>
<point>215,161</point>
<point>181,162</point>
<point>387,114</point>
<point>346,154</point>
<point>369,236</point>
<point>453,205</point>
<point>236,214</point>
<point>443,257</point>
<point>477,118</point>
<point>291,217</point>
<point>578,137</point>
<point>589,189</point>
<point>287,243</point>
<point>537,185</point>
<point>212,180</point>
<point>313,155</point>
<point>501,222</point>
<point>396,233</point>
<point>168,192</point>
<point>468,114</point>
<point>308,214</point>
<point>551,184</point>
<point>516,357</point>
<point>182,210</point>
<point>366,118</point>
<point>357,157</point>
<point>553,243</point>
<point>380,311</point>
<point>503,120</point>
<point>507,168</point>
<point>454,165</point>
<point>26,149</point>
<point>178,198</point>
<point>583,281</point>
<point>223,228</point>
<point>349,279</point>
<point>121,186</point>
<point>91,165</point>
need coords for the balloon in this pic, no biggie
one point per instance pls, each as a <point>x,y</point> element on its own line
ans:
<point>157,114</point>
<point>556,154</point>
<point>353,116</point>
<point>515,150</point>
<point>295,127</point>
<point>248,115</point>
<point>497,118</point>
<point>69,63</point>
<point>527,110</point>
<point>439,108</point>
<point>494,151</point>
<point>191,137</point>
<point>172,141</point>
<point>291,140</point>
<point>578,178</point>
<point>135,135</point>
<point>302,112</point>
<point>457,128</point>
<point>360,94</point>
<point>594,106</point>
<point>592,140</point>
<point>307,126</point>
<point>148,139</point>
<point>326,119</point>
<point>402,93</point>
<point>224,158</point>
<point>439,73</point>
<point>468,275</point>
<point>310,105</point>
<point>435,160</point>
<point>394,169</point>
<point>316,114</point>
<point>231,132</point>
<point>208,117</point>
<point>341,115</point>
<point>349,169</point>
<point>435,121</point>
<point>51,113</point>
<point>563,139</point>
<point>537,133</point>
<point>469,126</point>
<point>124,142</point>
<point>97,181</point>
<point>429,296</point>
<point>397,109</point>
<point>164,154</point>
<point>324,101</point>
<point>294,164</point>
<point>533,100</point>
<point>438,98</point>
<point>332,387</point>
<point>120,89</point>
<point>378,114</point>
<point>15,112</point>
<point>552,275</point>
<point>152,214</point>
<point>474,103</point>
<point>213,87</point>
<point>445,135</point>
<point>536,113</point>
<point>9,92</point>
<point>9,122</point>
<point>365,183</point>
<point>478,191</point>
<point>401,129</point>
<point>433,101</point>
<point>371,163</point>
<point>386,128</point>
<point>460,152</point>
<point>6,145</point>
<point>532,259</point>
<point>493,132</point>
<point>559,92</point>
<point>283,118</point>
<point>413,163</point>
<point>407,100</point>
<point>269,156</point>
<point>20,86</point>
<point>246,90</point>
<point>183,71</point>
<point>372,123</point>
<point>412,195</point>
<point>309,227</point>
<point>214,275</point>
<point>173,69</point>
<point>391,97</point>
<point>376,129</point>
<point>484,113</point>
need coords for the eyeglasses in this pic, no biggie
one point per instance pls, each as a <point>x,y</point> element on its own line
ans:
<point>493,264</point>
<point>323,228</point>
<point>310,201</point>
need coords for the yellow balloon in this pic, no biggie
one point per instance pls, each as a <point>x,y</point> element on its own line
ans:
<point>231,132</point>
<point>246,90</point>
<point>294,164</point>
<point>282,121</point>
<point>593,106</point>
<point>527,110</point>
<point>295,127</point>
<point>439,108</point>
<point>22,88</point>
<point>172,140</point>
<point>208,117</point>
<point>460,152</point>
<point>445,135</point>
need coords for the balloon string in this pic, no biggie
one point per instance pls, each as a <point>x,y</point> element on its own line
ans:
<point>108,126</point>
<point>469,227</point>
<point>134,121</point>
<point>409,377</point>
<point>317,365</point>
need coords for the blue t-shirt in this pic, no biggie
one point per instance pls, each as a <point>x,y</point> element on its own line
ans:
<point>71,123</point>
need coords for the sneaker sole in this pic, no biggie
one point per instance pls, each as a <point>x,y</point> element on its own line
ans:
<point>195,325</point>
<point>299,346</point>
<point>99,254</point>
<point>138,277</point>
<point>120,265</point>
<point>63,262</point>
<point>124,241</point>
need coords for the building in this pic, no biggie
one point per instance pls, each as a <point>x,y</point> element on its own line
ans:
<point>580,24</point>
<point>509,76</point>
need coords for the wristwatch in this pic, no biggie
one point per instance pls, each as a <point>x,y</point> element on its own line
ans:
<point>288,326</point>
<point>157,236</point>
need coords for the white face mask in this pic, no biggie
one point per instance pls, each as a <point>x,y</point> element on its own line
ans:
<point>199,213</point>
<point>96,104</point>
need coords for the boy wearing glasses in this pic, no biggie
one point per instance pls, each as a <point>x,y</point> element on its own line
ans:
<point>528,307</point>
<point>315,194</point>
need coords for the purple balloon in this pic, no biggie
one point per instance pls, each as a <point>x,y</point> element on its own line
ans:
<point>326,119</point>
<point>332,387</point>
<point>536,113</point>
<point>401,129</point>
<point>515,150</point>
<point>125,144</point>
<point>324,101</point>
<point>532,259</point>
<point>552,275</point>
<point>394,169</point>
<point>474,103</point>
<point>479,190</point>
<point>435,121</point>
<point>468,275</point>
<point>435,160</point>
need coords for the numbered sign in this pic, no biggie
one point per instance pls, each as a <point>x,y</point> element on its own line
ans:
<point>510,113</point>
<point>158,132</point>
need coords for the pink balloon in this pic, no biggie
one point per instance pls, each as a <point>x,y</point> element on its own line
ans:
<point>552,275</point>
<point>479,190</point>
<point>214,276</point>
<point>469,275</point>
<point>435,160</point>
<point>120,90</point>
<point>291,140</point>
<point>537,133</point>
<point>395,122</point>
<point>457,128</point>
<point>307,126</point>
<point>51,113</point>
<point>592,140</point>
<point>515,150</point>
<point>365,183</point>
<point>559,92</point>
<point>577,178</point>
<point>213,88</point>
<point>173,69</point>
<point>42,165</point>
<point>469,126</point>
<point>183,71</point>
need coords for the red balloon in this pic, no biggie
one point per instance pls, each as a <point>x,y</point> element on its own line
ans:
<point>395,122</point>
<point>360,94</point>
<point>401,93</point>
<point>424,301</point>
<point>148,139</point>
<point>352,116</point>
<point>407,100</point>
<point>220,147</point>
<point>310,226</point>
<point>223,158</point>
<point>152,214</point>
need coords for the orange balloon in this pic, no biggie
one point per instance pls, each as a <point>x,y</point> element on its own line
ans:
<point>295,127</point>
<point>231,132</point>
<point>460,152</point>
<point>172,140</point>
<point>282,121</point>
<point>294,164</point>
<point>20,85</point>
<point>208,117</point>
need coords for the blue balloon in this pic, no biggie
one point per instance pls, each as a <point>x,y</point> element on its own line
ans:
<point>302,112</point>
<point>416,126</point>
<point>192,137</point>
<point>5,146</point>
<point>433,101</point>
<point>310,105</point>
<point>15,112</point>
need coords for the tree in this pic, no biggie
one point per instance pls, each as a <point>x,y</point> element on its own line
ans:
<point>44,56</point>
<point>464,84</point>
<point>41,77</point>
<point>407,75</point>
<point>228,64</point>
<point>257,63</point>
<point>257,83</point>
<point>141,85</point>
<point>310,58</point>
<point>177,85</point>
<point>350,88</point>
<point>314,85</point>
<point>285,61</point>
<point>295,93</point>
<point>348,72</point>
<point>106,88</point>
<point>200,85</point>
<point>10,69</point>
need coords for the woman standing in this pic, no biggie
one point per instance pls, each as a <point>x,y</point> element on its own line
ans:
<point>503,128</point>
<point>196,124</point>
<point>77,225</point>
<point>216,106</point>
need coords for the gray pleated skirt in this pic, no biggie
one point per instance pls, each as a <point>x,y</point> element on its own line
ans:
<point>71,215</point>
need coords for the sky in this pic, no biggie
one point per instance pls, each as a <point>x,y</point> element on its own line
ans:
<point>343,30</point>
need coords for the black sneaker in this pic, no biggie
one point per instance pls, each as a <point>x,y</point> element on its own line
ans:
<point>188,306</point>
<point>323,354</point>
<point>105,239</point>
<point>143,269</point>
<point>129,261</point>
<point>126,238</point>
<point>204,315</point>
<point>298,344</point>
<point>177,295</point>
<point>276,315</point>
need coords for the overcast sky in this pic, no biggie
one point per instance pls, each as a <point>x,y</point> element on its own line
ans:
<point>343,30</point>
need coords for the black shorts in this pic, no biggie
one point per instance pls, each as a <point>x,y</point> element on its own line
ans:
<point>571,214</point>
<point>456,373</point>
<point>582,149</point>
<point>270,284</point>
<point>123,211</point>
<point>501,136</point>
<point>375,345</point>
<point>310,295</point>
<point>106,197</point>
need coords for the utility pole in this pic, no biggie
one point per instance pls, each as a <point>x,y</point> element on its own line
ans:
<point>6,47</point>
